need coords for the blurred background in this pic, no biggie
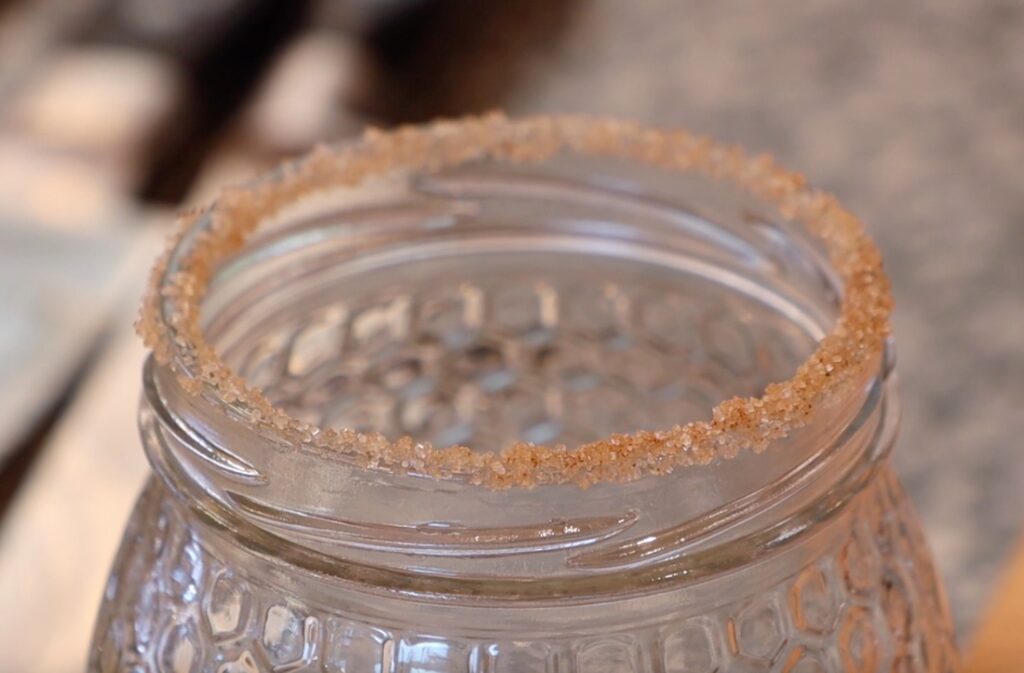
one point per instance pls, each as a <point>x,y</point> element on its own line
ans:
<point>115,113</point>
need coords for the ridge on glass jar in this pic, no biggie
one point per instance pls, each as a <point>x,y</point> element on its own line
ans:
<point>560,287</point>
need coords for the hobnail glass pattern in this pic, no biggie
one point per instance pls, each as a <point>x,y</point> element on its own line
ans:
<point>484,307</point>
<point>540,357</point>
<point>870,603</point>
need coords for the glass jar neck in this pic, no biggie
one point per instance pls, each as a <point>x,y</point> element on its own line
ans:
<point>473,228</point>
<point>357,524</point>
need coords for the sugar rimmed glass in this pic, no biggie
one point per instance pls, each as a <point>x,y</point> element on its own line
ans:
<point>557,301</point>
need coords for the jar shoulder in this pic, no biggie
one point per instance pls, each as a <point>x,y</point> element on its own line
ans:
<point>869,600</point>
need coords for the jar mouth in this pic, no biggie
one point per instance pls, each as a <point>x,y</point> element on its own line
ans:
<point>206,241</point>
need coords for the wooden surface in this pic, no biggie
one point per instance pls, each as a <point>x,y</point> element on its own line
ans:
<point>61,530</point>
<point>997,646</point>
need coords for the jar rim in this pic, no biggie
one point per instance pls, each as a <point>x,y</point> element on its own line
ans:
<point>170,316</point>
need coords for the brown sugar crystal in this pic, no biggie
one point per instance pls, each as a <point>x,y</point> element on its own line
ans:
<point>169,321</point>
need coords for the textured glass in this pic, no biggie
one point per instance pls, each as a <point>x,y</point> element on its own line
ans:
<point>864,604</point>
<point>556,305</point>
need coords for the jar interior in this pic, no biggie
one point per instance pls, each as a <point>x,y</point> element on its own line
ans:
<point>492,303</point>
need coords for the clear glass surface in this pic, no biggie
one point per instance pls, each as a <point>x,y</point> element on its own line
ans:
<point>553,303</point>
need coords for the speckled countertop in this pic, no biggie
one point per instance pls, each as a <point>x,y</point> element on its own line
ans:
<point>913,113</point>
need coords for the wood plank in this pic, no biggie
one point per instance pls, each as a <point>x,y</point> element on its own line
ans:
<point>997,645</point>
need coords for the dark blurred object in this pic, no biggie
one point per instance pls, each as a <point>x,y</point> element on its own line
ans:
<point>196,33</point>
<point>222,47</point>
<point>148,88</point>
<point>298,103</point>
<point>359,17</point>
<point>451,57</point>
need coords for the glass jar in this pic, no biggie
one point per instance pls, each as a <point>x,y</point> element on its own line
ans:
<point>617,306</point>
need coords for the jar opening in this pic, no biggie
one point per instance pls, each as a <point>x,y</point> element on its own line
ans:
<point>473,327</point>
<point>482,310</point>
